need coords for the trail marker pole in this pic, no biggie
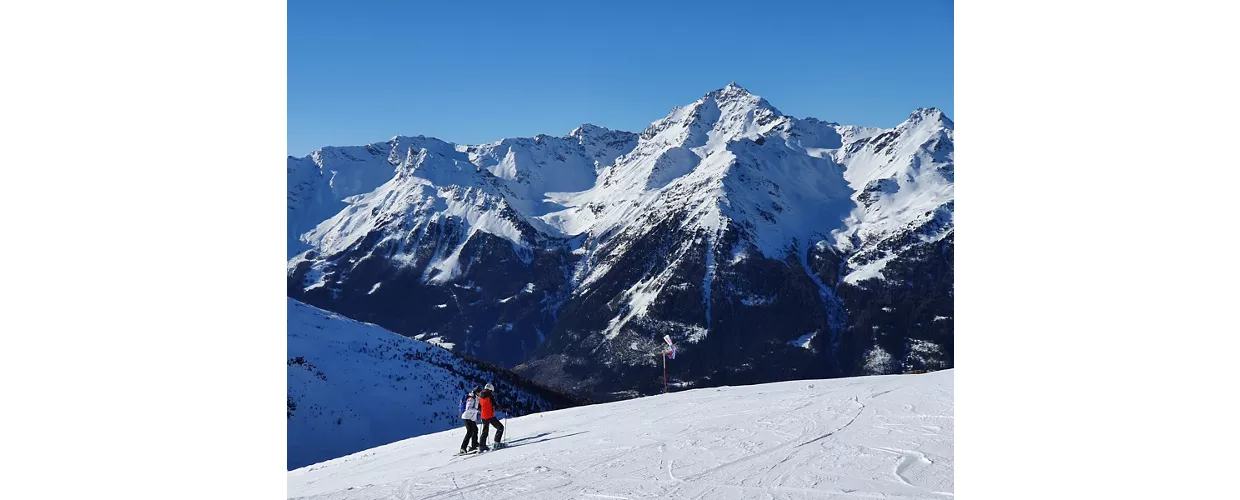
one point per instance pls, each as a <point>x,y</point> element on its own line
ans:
<point>665,372</point>
<point>670,348</point>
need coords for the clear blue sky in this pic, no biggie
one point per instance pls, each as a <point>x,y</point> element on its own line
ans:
<point>478,71</point>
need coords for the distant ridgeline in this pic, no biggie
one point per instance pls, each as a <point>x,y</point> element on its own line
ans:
<point>768,247</point>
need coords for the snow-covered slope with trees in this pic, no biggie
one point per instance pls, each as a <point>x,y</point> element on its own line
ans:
<point>868,437</point>
<point>353,386</point>
<point>747,235</point>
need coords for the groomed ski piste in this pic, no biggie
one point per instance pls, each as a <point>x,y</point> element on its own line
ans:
<point>885,436</point>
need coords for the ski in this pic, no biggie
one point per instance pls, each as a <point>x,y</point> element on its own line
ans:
<point>481,452</point>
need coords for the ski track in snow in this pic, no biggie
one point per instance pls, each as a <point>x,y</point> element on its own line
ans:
<point>870,437</point>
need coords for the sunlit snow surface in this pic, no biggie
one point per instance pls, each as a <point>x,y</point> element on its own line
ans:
<point>869,437</point>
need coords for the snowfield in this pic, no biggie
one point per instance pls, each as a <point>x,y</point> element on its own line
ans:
<point>868,437</point>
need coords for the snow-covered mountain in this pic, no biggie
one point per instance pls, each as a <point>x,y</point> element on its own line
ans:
<point>353,386</point>
<point>869,437</point>
<point>320,183</point>
<point>769,247</point>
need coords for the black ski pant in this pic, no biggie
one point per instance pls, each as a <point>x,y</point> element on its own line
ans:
<point>471,434</point>
<point>486,427</point>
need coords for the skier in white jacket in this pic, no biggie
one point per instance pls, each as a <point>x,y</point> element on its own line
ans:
<point>469,414</point>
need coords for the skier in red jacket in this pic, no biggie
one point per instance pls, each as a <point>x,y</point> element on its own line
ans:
<point>487,408</point>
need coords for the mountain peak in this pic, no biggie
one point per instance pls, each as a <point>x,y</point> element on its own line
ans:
<point>587,129</point>
<point>928,117</point>
<point>736,98</point>
<point>931,115</point>
<point>723,114</point>
<point>731,92</point>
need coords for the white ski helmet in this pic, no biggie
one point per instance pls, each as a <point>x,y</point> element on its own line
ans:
<point>490,387</point>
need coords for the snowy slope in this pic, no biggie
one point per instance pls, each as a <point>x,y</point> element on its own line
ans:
<point>497,189</point>
<point>904,184</point>
<point>319,183</point>
<point>353,385</point>
<point>870,437</point>
<point>712,160</point>
<point>814,181</point>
